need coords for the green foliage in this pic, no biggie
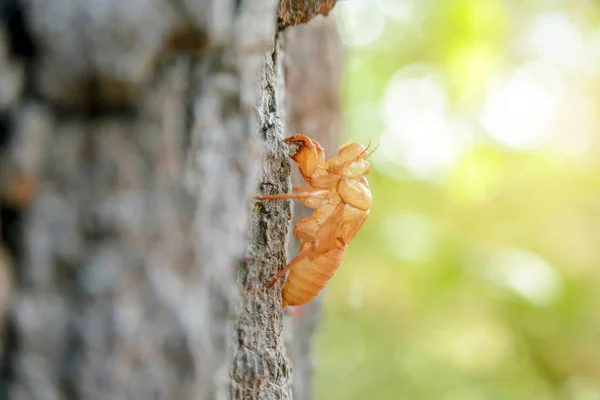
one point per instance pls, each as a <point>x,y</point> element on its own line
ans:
<point>479,280</point>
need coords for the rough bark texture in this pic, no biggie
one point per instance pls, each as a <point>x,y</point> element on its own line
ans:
<point>313,109</point>
<point>132,136</point>
<point>260,369</point>
<point>294,12</point>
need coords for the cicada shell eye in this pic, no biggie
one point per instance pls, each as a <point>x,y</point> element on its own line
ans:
<point>350,152</point>
<point>356,169</point>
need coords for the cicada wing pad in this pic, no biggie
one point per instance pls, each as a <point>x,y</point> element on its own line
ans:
<point>341,227</point>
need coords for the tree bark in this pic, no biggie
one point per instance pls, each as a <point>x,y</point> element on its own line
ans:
<point>132,138</point>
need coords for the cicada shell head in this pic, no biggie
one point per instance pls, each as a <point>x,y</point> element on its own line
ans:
<point>309,156</point>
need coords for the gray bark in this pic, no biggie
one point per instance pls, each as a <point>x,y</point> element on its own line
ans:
<point>260,369</point>
<point>132,137</point>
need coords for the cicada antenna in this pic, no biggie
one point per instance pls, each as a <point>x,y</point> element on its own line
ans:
<point>372,151</point>
<point>366,150</point>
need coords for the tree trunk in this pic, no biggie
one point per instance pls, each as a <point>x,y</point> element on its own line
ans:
<point>132,138</point>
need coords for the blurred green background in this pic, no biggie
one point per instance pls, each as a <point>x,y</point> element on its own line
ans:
<point>477,274</point>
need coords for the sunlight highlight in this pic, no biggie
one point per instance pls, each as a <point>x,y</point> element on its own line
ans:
<point>399,10</point>
<point>528,275</point>
<point>518,112</point>
<point>555,38</point>
<point>421,134</point>
<point>576,124</point>
<point>359,22</point>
